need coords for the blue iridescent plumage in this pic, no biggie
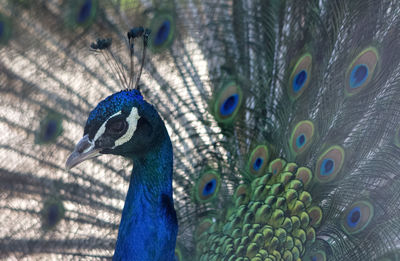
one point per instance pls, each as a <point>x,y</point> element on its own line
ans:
<point>84,12</point>
<point>269,130</point>
<point>148,227</point>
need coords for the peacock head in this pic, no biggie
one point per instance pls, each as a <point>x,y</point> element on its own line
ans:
<point>122,124</point>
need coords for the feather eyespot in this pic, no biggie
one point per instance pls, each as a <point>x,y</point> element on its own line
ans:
<point>357,217</point>
<point>353,218</point>
<point>229,105</point>
<point>50,128</point>
<point>291,167</point>
<point>207,186</point>
<point>162,33</point>
<point>53,211</point>
<point>315,214</point>
<point>276,166</point>
<point>301,140</point>
<point>302,136</point>
<point>361,70</point>
<point>304,175</point>
<point>258,163</point>
<point>300,77</point>
<point>84,11</point>
<point>299,81</point>
<point>242,195</point>
<point>358,75</point>
<point>258,160</point>
<point>227,102</point>
<point>327,167</point>
<point>80,13</point>
<point>162,27</point>
<point>329,164</point>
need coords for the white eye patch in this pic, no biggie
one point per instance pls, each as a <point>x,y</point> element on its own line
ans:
<point>132,120</point>
<point>102,128</point>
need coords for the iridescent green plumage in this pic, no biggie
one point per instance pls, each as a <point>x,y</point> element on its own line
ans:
<point>283,115</point>
<point>274,224</point>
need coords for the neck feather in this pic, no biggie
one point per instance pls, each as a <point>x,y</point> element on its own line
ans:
<point>148,227</point>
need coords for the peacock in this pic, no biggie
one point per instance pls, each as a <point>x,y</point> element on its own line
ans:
<point>240,130</point>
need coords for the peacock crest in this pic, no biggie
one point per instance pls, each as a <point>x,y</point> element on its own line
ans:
<point>270,127</point>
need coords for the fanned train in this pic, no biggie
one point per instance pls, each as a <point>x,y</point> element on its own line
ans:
<point>256,130</point>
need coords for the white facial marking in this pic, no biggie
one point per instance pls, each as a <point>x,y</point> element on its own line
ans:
<point>132,120</point>
<point>102,128</point>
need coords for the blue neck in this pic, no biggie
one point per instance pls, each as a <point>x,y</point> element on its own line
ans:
<point>148,227</point>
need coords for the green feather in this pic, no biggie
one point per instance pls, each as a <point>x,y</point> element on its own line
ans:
<point>283,115</point>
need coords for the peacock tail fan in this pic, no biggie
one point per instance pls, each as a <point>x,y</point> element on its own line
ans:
<point>283,115</point>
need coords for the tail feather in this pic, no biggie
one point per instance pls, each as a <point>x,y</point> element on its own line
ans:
<point>308,90</point>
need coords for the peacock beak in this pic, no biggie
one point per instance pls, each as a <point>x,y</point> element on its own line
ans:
<point>84,150</point>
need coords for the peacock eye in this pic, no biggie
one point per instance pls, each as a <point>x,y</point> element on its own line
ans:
<point>117,126</point>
